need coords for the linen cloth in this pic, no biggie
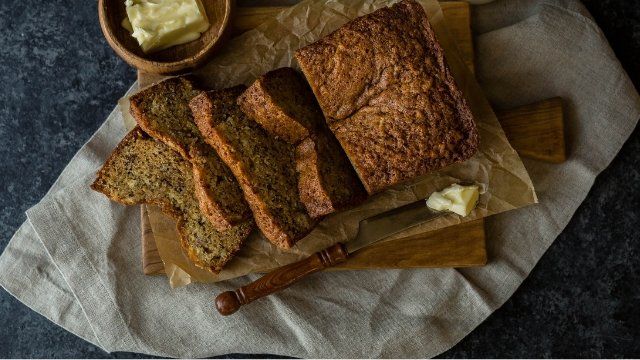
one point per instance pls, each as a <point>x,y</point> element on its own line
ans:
<point>526,51</point>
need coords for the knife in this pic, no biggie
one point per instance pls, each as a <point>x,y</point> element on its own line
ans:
<point>370,230</point>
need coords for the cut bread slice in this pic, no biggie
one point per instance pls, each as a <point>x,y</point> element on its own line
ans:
<point>162,111</point>
<point>326,181</point>
<point>143,170</point>
<point>262,164</point>
<point>282,102</point>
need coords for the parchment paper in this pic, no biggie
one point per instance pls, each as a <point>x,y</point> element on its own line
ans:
<point>496,166</point>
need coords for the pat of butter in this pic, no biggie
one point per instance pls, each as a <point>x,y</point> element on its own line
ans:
<point>456,198</point>
<point>160,24</point>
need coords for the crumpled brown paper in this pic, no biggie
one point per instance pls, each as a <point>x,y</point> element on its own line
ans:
<point>496,166</point>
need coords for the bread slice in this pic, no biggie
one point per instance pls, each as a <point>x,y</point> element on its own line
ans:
<point>262,164</point>
<point>162,111</point>
<point>143,170</point>
<point>326,181</point>
<point>283,104</point>
<point>387,93</point>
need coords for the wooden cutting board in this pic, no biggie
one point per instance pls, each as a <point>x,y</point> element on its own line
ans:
<point>535,130</point>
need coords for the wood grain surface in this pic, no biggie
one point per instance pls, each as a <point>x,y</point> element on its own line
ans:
<point>454,246</point>
<point>457,246</point>
<point>536,130</point>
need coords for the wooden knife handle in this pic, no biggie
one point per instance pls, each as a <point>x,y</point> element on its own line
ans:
<point>229,302</point>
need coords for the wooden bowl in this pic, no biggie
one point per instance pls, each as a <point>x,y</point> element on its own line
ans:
<point>173,60</point>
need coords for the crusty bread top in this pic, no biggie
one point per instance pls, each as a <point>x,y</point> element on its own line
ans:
<point>389,97</point>
<point>143,170</point>
<point>283,104</point>
<point>263,165</point>
<point>162,111</point>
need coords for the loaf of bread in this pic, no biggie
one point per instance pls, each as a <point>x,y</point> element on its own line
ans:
<point>283,104</point>
<point>162,111</point>
<point>263,165</point>
<point>389,97</point>
<point>144,170</point>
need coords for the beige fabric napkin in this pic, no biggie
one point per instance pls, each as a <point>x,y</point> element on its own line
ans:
<point>66,261</point>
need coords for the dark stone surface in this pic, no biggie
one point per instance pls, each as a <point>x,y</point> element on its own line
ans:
<point>60,80</point>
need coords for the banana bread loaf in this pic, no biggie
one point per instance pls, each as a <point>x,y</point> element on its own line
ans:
<point>144,170</point>
<point>262,164</point>
<point>389,97</point>
<point>162,111</point>
<point>282,102</point>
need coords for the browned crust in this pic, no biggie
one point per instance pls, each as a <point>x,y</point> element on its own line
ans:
<point>268,223</point>
<point>344,91</point>
<point>327,182</point>
<point>312,192</point>
<point>283,104</point>
<point>202,108</point>
<point>258,103</point>
<point>208,206</point>
<point>166,208</point>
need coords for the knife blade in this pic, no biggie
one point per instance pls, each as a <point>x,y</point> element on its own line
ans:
<point>394,221</point>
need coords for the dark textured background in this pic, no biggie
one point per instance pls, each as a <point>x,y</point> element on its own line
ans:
<point>59,80</point>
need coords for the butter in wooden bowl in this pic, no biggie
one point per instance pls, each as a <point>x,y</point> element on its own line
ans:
<point>161,24</point>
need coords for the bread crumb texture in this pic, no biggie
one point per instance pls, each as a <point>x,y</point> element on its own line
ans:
<point>263,165</point>
<point>143,170</point>
<point>163,112</point>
